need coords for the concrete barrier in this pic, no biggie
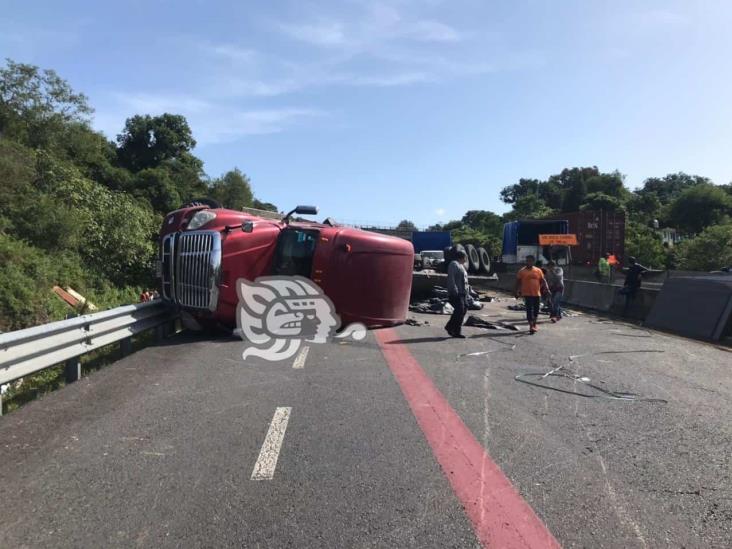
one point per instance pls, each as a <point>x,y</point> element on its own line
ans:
<point>595,295</point>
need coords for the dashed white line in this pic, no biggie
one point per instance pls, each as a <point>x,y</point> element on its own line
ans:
<point>300,358</point>
<point>264,468</point>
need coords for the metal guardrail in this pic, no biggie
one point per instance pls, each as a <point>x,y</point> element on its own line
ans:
<point>24,352</point>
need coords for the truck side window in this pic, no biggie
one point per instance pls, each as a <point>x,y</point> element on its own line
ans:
<point>294,255</point>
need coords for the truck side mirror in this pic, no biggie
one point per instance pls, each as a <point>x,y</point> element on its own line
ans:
<point>306,210</point>
<point>301,210</point>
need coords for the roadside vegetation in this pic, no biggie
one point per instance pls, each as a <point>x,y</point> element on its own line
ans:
<point>699,211</point>
<point>78,210</point>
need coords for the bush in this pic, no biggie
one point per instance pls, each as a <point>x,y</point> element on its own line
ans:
<point>27,276</point>
<point>645,245</point>
<point>709,251</point>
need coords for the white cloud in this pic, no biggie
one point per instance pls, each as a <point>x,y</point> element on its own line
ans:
<point>232,53</point>
<point>440,212</point>
<point>319,33</point>
<point>433,31</point>
<point>212,121</point>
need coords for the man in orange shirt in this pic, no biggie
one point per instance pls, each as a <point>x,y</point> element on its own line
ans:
<point>613,262</point>
<point>529,283</point>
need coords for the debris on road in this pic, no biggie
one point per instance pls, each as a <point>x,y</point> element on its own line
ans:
<point>478,322</point>
<point>601,391</point>
<point>416,322</point>
<point>481,353</point>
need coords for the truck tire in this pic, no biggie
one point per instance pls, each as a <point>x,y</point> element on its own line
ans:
<point>485,261</point>
<point>473,258</point>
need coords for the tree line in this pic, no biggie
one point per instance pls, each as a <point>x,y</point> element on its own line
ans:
<point>80,210</point>
<point>700,212</point>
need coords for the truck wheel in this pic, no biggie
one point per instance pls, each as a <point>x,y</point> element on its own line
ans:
<point>473,258</point>
<point>485,261</point>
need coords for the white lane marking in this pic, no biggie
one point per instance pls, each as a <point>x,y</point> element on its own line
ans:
<point>300,358</point>
<point>267,461</point>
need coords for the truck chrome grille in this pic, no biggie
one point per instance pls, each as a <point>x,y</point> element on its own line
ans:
<point>191,262</point>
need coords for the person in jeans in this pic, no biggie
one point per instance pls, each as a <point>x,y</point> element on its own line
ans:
<point>457,293</point>
<point>555,281</point>
<point>529,283</point>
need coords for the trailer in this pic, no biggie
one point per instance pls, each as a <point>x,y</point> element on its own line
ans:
<point>521,239</point>
<point>598,233</point>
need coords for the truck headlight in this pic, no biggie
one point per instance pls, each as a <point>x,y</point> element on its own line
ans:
<point>200,219</point>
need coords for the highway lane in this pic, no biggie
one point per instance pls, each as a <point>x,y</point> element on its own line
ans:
<point>159,449</point>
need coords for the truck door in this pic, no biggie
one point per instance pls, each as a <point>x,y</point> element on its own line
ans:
<point>294,253</point>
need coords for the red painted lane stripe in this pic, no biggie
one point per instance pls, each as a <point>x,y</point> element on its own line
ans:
<point>500,516</point>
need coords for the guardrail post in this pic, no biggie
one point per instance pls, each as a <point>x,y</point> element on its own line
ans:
<point>125,346</point>
<point>73,370</point>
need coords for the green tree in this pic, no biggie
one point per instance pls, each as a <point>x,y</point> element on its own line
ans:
<point>700,206</point>
<point>264,206</point>
<point>406,225</point>
<point>672,185</point>
<point>574,195</point>
<point>524,187</point>
<point>35,105</point>
<point>233,190</point>
<point>601,201</point>
<point>483,221</point>
<point>644,207</point>
<point>710,250</point>
<point>148,141</point>
<point>645,245</point>
<point>528,207</point>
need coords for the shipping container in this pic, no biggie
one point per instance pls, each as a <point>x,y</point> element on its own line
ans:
<point>431,240</point>
<point>598,232</point>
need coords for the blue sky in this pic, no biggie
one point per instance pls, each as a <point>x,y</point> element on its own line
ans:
<point>378,111</point>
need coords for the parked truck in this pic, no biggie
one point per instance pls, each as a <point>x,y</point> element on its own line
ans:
<point>521,238</point>
<point>205,249</point>
<point>596,233</point>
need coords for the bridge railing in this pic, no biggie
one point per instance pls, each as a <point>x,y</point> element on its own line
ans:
<point>24,352</point>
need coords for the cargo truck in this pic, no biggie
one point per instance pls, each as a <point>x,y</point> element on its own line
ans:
<point>205,249</point>
<point>597,233</point>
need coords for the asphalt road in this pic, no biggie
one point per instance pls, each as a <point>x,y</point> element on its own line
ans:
<point>160,448</point>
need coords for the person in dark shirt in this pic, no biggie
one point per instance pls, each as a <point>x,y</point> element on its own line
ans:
<point>633,277</point>
<point>457,293</point>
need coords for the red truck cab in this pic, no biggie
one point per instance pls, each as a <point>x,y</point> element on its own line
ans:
<point>204,251</point>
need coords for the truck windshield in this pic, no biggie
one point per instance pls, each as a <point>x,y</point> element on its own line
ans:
<point>294,255</point>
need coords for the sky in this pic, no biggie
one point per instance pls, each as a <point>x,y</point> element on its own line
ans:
<point>403,109</point>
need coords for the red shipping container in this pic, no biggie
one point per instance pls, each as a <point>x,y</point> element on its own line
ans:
<point>598,232</point>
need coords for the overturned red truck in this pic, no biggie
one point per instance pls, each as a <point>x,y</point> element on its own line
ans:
<point>204,249</point>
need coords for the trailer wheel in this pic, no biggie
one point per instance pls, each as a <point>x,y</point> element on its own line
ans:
<point>485,261</point>
<point>473,258</point>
